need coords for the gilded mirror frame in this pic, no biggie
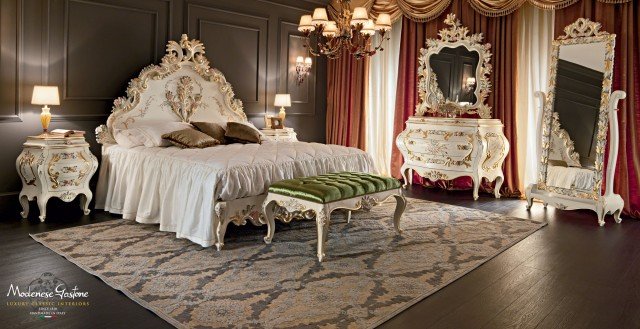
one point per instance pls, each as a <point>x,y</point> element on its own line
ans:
<point>430,96</point>
<point>582,31</point>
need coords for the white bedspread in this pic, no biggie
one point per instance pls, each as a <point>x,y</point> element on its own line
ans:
<point>570,177</point>
<point>178,188</point>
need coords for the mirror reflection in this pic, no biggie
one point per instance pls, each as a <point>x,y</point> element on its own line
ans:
<point>455,70</point>
<point>574,122</point>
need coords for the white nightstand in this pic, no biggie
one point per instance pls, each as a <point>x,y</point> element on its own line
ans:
<point>58,167</point>
<point>280,135</point>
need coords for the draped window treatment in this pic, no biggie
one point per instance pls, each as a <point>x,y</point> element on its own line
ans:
<point>381,101</point>
<point>624,21</point>
<point>426,10</point>
<point>534,47</point>
<point>346,100</point>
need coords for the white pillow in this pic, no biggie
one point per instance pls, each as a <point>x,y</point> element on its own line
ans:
<point>129,137</point>
<point>153,133</point>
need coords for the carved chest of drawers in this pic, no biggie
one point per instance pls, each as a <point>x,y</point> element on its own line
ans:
<point>443,148</point>
<point>55,167</point>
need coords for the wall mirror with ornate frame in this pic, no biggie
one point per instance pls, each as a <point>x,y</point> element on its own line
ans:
<point>578,114</point>
<point>454,73</point>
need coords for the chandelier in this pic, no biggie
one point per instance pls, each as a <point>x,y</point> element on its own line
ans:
<point>352,31</point>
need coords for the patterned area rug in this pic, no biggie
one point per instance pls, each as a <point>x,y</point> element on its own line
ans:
<point>369,275</point>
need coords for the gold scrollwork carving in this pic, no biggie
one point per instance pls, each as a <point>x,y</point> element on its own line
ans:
<point>54,176</point>
<point>27,159</point>
<point>490,151</point>
<point>434,175</point>
<point>177,54</point>
<point>456,34</point>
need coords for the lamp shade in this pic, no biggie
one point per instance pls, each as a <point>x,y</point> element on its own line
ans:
<point>383,22</point>
<point>320,17</point>
<point>282,100</point>
<point>306,23</point>
<point>45,95</point>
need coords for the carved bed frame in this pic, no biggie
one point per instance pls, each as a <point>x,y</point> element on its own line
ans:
<point>184,88</point>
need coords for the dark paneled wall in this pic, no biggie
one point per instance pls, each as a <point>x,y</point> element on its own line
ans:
<point>92,48</point>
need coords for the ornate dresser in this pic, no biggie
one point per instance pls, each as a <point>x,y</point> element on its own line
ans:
<point>453,76</point>
<point>443,148</point>
<point>55,167</point>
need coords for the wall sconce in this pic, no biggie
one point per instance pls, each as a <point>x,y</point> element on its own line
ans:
<point>470,84</point>
<point>303,68</point>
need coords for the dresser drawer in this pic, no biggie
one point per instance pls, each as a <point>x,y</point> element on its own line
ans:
<point>449,134</point>
<point>440,162</point>
<point>67,169</point>
<point>442,148</point>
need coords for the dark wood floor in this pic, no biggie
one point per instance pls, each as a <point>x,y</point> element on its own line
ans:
<point>570,274</point>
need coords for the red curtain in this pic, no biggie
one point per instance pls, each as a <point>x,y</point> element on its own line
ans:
<point>346,100</point>
<point>501,33</point>
<point>621,19</point>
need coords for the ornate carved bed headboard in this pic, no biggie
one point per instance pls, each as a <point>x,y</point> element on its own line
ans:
<point>182,88</point>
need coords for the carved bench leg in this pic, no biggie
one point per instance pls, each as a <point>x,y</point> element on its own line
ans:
<point>323,217</point>
<point>401,204</point>
<point>267,210</point>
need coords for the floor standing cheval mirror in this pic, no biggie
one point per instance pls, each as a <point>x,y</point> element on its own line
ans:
<point>454,81</point>
<point>578,112</point>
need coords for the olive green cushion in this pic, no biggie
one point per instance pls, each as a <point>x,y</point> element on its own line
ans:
<point>333,187</point>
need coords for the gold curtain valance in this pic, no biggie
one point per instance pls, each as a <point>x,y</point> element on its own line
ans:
<point>426,10</point>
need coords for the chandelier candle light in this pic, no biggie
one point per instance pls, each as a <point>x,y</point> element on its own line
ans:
<point>45,95</point>
<point>352,31</point>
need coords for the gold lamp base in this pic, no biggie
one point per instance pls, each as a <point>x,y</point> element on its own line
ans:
<point>282,114</point>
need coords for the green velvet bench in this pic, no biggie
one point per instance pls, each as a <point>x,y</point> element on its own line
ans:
<point>320,195</point>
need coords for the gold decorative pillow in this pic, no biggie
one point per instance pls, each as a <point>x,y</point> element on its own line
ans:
<point>212,129</point>
<point>190,138</point>
<point>242,133</point>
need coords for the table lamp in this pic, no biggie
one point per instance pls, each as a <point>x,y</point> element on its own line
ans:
<point>45,95</point>
<point>282,100</point>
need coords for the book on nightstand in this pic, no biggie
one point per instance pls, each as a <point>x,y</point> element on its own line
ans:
<point>67,133</point>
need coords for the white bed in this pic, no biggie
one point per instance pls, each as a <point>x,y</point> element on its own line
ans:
<point>196,193</point>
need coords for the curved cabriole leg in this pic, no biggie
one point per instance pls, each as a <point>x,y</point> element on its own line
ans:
<point>404,171</point>
<point>220,232</point>
<point>85,199</point>
<point>24,202</point>
<point>42,206</point>
<point>401,204</point>
<point>271,224</point>
<point>496,191</point>
<point>601,213</point>
<point>616,216</point>
<point>348,216</point>
<point>476,187</point>
<point>322,221</point>
<point>527,194</point>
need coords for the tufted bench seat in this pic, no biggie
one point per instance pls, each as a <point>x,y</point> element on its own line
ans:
<point>324,193</point>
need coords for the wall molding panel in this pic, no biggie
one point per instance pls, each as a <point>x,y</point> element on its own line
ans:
<point>12,39</point>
